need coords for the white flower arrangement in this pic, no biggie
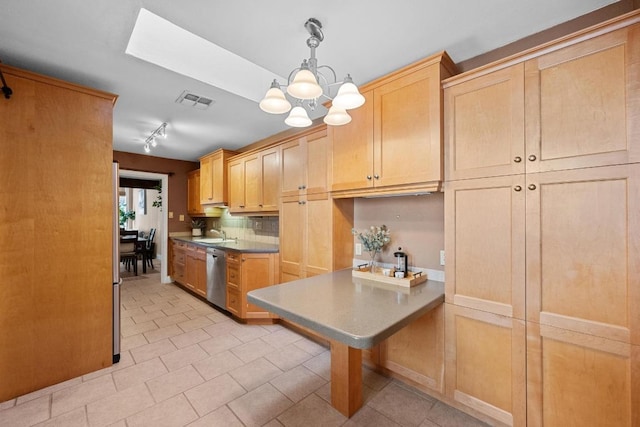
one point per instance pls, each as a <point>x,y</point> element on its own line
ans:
<point>374,239</point>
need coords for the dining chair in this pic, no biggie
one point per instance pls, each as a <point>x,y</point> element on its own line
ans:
<point>150,248</point>
<point>128,253</point>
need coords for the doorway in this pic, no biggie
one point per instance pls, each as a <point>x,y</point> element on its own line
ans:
<point>161,237</point>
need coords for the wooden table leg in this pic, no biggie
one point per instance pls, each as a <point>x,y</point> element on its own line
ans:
<point>346,378</point>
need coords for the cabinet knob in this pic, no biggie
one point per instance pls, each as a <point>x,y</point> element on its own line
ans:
<point>532,158</point>
<point>517,188</point>
<point>304,187</point>
<point>241,206</point>
<point>299,187</point>
<point>517,159</point>
<point>260,205</point>
<point>369,177</point>
<point>532,187</point>
<point>376,176</point>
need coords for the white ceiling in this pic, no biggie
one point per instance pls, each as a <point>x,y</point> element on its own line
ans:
<point>84,42</point>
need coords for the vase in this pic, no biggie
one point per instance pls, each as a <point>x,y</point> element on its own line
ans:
<point>372,264</point>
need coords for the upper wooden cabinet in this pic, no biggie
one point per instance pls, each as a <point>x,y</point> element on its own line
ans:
<point>213,177</point>
<point>304,164</point>
<point>578,100</point>
<point>193,193</point>
<point>254,182</point>
<point>394,141</point>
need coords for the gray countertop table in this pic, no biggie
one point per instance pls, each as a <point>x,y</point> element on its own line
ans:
<point>353,313</point>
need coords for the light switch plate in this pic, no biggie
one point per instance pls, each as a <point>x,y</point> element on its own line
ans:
<point>358,248</point>
<point>442,258</point>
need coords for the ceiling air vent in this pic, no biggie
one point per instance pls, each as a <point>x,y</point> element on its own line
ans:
<point>196,101</point>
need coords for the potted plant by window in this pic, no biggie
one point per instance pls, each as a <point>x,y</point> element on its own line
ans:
<point>125,215</point>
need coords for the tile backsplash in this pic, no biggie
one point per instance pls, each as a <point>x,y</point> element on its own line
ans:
<point>256,229</point>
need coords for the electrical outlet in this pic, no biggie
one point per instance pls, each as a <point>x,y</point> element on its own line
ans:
<point>441,257</point>
<point>358,248</point>
<point>170,215</point>
<point>258,225</point>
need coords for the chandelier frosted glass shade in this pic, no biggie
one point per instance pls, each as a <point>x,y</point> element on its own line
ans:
<point>298,118</point>
<point>304,86</point>
<point>274,101</point>
<point>348,96</point>
<point>337,116</point>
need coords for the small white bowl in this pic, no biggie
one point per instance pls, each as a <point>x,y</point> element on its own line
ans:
<point>399,274</point>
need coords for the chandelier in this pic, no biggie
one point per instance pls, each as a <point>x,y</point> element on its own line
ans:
<point>307,84</point>
<point>152,140</point>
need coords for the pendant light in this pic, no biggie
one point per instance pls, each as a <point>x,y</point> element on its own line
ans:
<point>309,83</point>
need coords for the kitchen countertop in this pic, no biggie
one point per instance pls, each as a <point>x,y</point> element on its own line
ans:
<point>357,312</point>
<point>246,246</point>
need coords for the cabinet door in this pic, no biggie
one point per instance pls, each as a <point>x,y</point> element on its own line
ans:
<point>291,238</point>
<point>317,245</point>
<point>485,363</point>
<point>352,149</point>
<point>193,193</point>
<point>236,185</point>
<point>582,103</point>
<point>292,168</point>
<point>485,244</point>
<point>583,250</point>
<point>484,125</point>
<point>407,137</point>
<point>191,268</point>
<point>218,180</point>
<point>201,272</point>
<point>258,271</point>
<point>206,180</point>
<point>269,180</point>
<point>252,183</point>
<point>577,379</point>
<point>318,145</point>
<point>417,350</point>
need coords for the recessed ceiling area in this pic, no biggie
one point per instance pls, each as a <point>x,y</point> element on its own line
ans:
<point>229,52</point>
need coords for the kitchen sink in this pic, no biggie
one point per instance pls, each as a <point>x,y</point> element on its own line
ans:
<point>214,240</point>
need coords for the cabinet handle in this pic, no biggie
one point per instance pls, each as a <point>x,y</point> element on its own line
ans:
<point>517,188</point>
<point>532,187</point>
<point>369,177</point>
<point>241,206</point>
<point>260,205</point>
<point>376,176</point>
<point>532,158</point>
<point>518,159</point>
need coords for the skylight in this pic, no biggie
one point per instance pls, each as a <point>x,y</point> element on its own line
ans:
<point>160,42</point>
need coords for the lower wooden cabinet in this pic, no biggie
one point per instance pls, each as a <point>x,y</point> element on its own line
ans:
<point>416,352</point>
<point>485,363</point>
<point>188,266</point>
<point>196,269</point>
<point>246,272</point>
<point>177,266</point>
<point>577,379</point>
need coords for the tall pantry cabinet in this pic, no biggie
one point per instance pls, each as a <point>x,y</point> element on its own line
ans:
<point>55,232</point>
<point>542,201</point>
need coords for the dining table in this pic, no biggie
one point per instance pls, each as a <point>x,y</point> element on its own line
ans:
<point>141,246</point>
<point>352,313</point>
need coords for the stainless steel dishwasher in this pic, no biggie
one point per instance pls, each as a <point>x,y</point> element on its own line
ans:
<point>217,277</point>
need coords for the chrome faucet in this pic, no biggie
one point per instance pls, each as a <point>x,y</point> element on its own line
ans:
<point>220,233</point>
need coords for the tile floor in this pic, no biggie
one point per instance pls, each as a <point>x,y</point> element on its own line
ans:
<point>184,363</point>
